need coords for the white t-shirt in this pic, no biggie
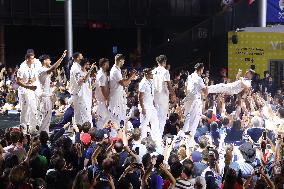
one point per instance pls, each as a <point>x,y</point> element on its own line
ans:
<point>101,80</point>
<point>115,77</point>
<point>147,87</point>
<point>75,74</point>
<point>160,76</point>
<point>25,73</point>
<point>195,85</point>
<point>44,82</point>
<point>140,148</point>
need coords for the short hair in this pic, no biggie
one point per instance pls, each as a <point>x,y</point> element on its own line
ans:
<point>28,56</point>
<point>160,59</point>
<point>15,136</point>
<point>176,169</point>
<point>119,57</point>
<point>86,127</point>
<point>43,57</point>
<point>225,121</point>
<point>203,142</point>
<point>136,134</point>
<point>57,162</point>
<point>198,66</point>
<point>84,61</point>
<point>76,55</point>
<point>43,137</point>
<point>30,51</point>
<point>186,168</point>
<point>102,61</point>
<point>146,71</point>
<point>107,164</point>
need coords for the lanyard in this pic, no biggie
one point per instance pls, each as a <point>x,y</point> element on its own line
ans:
<point>151,87</point>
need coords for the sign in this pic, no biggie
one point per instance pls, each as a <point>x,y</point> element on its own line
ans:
<point>256,48</point>
<point>275,11</point>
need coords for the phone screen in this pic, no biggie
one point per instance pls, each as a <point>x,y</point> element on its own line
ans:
<point>264,135</point>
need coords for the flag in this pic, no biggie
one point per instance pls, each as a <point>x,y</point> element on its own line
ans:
<point>250,1</point>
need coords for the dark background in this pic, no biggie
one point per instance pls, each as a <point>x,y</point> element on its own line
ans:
<point>170,27</point>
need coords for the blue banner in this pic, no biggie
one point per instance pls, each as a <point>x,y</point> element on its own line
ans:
<point>275,11</point>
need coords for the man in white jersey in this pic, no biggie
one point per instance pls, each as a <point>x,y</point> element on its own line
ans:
<point>163,89</point>
<point>37,63</point>
<point>81,91</point>
<point>26,78</point>
<point>193,102</point>
<point>44,93</point>
<point>147,108</point>
<point>102,93</point>
<point>117,95</point>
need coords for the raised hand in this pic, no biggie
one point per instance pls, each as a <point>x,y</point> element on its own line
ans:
<point>64,54</point>
<point>33,88</point>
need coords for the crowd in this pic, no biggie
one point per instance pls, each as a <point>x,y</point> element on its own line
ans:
<point>238,142</point>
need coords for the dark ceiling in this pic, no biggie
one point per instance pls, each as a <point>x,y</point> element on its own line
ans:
<point>116,13</point>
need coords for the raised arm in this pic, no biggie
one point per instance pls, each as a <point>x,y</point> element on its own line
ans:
<point>57,63</point>
<point>126,82</point>
<point>87,76</point>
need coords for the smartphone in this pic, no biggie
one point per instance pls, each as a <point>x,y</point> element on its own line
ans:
<point>264,135</point>
<point>121,124</point>
<point>137,150</point>
<point>148,134</point>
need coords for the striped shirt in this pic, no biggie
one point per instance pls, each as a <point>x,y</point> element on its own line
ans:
<point>184,184</point>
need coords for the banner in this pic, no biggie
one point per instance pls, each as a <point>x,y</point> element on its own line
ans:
<point>254,48</point>
<point>275,11</point>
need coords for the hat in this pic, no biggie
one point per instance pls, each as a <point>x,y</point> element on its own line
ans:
<point>196,156</point>
<point>99,134</point>
<point>85,138</point>
<point>248,151</point>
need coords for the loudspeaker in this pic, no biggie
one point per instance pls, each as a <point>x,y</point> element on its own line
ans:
<point>235,39</point>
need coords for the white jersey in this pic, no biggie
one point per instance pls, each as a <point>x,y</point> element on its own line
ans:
<point>160,76</point>
<point>147,87</point>
<point>75,74</point>
<point>36,64</point>
<point>101,80</point>
<point>26,73</point>
<point>195,85</point>
<point>44,80</point>
<point>230,88</point>
<point>115,77</point>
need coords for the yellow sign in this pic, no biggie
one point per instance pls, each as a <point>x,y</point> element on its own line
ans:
<point>254,48</point>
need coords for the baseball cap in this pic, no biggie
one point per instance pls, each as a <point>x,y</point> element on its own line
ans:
<point>85,138</point>
<point>196,156</point>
